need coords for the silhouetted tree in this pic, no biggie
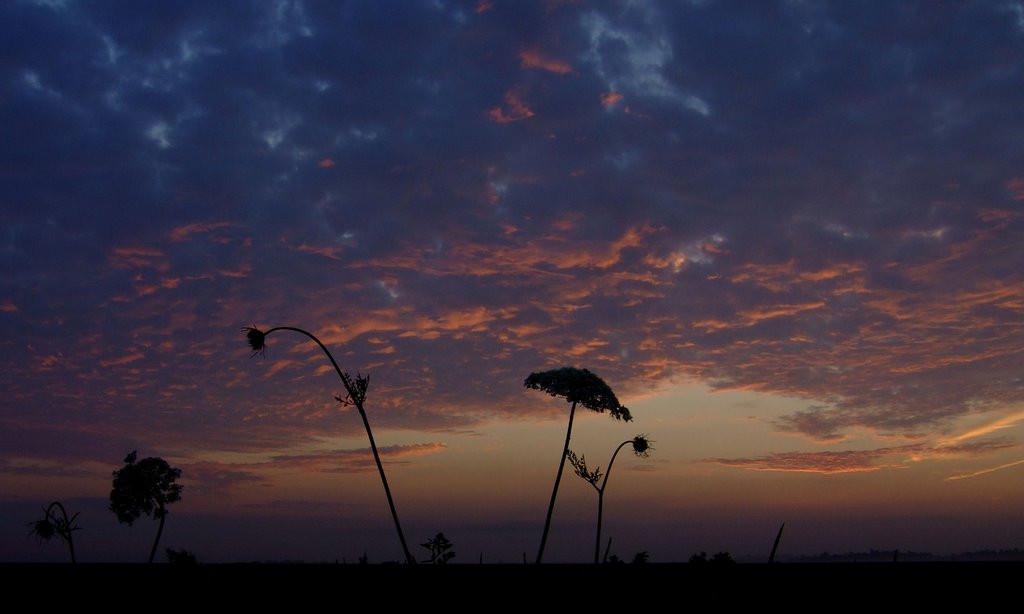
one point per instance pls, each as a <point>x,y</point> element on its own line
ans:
<point>355,389</point>
<point>641,447</point>
<point>440,550</point>
<point>146,487</point>
<point>51,525</point>
<point>577,386</point>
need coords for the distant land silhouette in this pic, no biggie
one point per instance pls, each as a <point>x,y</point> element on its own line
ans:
<point>886,556</point>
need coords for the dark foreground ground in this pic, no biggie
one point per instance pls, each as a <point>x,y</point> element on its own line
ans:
<point>503,588</point>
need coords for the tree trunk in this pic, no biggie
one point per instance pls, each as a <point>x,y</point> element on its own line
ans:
<point>160,531</point>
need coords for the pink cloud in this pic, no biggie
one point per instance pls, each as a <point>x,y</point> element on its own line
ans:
<point>513,110</point>
<point>533,58</point>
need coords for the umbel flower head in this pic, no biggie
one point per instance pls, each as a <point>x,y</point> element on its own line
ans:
<point>579,386</point>
<point>256,339</point>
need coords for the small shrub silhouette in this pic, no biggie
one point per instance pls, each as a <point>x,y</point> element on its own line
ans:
<point>51,525</point>
<point>181,557</point>
<point>146,487</point>
<point>577,386</point>
<point>720,558</point>
<point>440,550</point>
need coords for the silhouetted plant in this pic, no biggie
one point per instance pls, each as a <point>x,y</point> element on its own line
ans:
<point>775,546</point>
<point>440,550</point>
<point>641,447</point>
<point>355,389</point>
<point>51,525</point>
<point>181,557</point>
<point>146,487</point>
<point>640,558</point>
<point>577,386</point>
<point>722,558</point>
<point>719,558</point>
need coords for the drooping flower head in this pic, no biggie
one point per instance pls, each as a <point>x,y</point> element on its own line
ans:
<point>579,386</point>
<point>43,529</point>
<point>642,446</point>
<point>256,339</point>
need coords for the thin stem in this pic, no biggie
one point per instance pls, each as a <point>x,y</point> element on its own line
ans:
<point>775,546</point>
<point>64,527</point>
<point>600,498</point>
<point>369,434</point>
<point>159,531</point>
<point>554,491</point>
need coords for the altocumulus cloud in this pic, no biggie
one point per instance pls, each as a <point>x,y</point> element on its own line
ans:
<point>787,198</point>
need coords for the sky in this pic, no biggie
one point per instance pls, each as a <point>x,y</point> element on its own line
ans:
<point>788,235</point>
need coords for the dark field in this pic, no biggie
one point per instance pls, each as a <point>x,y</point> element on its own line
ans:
<point>785,586</point>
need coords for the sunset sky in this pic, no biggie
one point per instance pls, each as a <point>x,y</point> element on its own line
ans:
<point>789,235</point>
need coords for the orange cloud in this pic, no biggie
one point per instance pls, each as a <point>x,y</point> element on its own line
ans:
<point>514,110</point>
<point>483,6</point>
<point>1016,188</point>
<point>532,58</point>
<point>785,275</point>
<point>129,257</point>
<point>849,461</point>
<point>777,311</point>
<point>326,163</point>
<point>183,232</point>
<point>123,360</point>
<point>984,471</point>
<point>327,251</point>
<point>346,461</point>
<point>8,307</point>
<point>610,98</point>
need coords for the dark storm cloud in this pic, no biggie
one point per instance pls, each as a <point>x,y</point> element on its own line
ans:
<point>820,200</point>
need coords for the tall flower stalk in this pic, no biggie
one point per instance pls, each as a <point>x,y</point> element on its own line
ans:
<point>51,525</point>
<point>641,447</point>
<point>355,389</point>
<point>577,386</point>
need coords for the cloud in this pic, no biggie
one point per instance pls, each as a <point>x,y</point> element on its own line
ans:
<point>513,109</point>
<point>348,461</point>
<point>534,58</point>
<point>783,210</point>
<point>854,461</point>
<point>986,471</point>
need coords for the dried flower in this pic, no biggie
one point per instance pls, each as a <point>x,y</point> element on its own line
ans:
<point>256,339</point>
<point>53,525</point>
<point>642,446</point>
<point>43,529</point>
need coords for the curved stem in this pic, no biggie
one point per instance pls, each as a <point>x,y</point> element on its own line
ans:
<point>554,491</point>
<point>65,527</point>
<point>369,434</point>
<point>160,531</point>
<point>600,498</point>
